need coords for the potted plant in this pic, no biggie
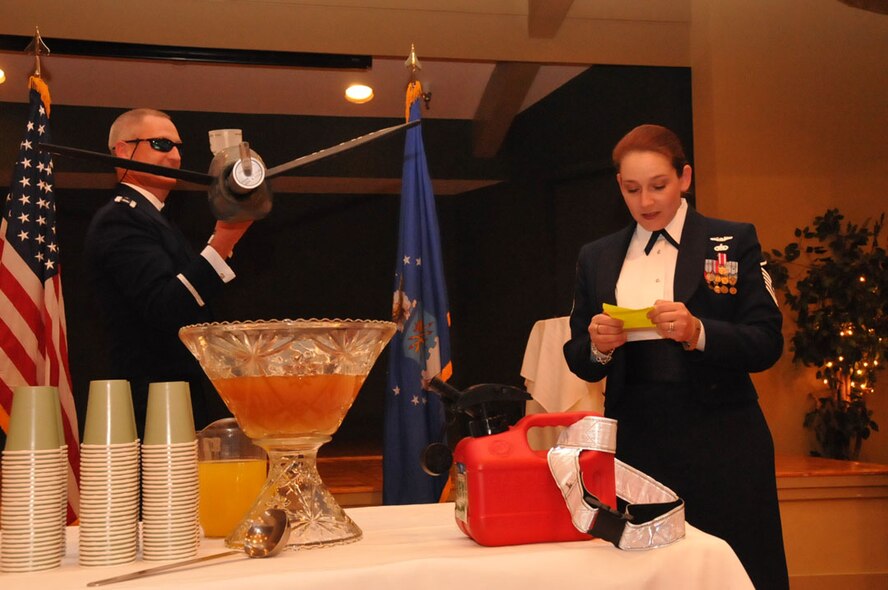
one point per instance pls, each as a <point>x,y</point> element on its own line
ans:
<point>839,297</point>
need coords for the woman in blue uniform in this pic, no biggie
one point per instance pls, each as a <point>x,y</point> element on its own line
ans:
<point>680,389</point>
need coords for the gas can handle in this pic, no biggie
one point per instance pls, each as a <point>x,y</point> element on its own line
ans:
<point>552,419</point>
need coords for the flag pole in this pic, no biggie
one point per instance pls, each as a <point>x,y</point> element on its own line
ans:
<point>37,48</point>
<point>412,63</point>
<point>414,93</point>
<point>414,88</point>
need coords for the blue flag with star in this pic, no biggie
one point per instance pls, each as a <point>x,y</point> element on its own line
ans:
<point>420,348</point>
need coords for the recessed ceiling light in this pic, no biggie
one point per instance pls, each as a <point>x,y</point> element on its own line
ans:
<point>2,76</point>
<point>358,94</point>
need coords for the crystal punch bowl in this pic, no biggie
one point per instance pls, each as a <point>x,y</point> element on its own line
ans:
<point>290,383</point>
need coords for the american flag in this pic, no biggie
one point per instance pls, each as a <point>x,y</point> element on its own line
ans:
<point>33,341</point>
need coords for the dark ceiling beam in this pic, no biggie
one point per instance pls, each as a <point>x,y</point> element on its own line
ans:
<point>544,17</point>
<point>295,59</point>
<point>502,100</point>
<point>878,6</point>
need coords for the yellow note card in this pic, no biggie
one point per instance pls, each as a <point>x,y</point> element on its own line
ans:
<point>633,319</point>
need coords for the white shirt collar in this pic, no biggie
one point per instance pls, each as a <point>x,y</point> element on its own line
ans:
<point>151,198</point>
<point>674,227</point>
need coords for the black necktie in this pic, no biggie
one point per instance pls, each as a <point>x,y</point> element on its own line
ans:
<point>657,234</point>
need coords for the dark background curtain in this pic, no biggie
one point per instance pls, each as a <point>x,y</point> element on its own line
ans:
<point>510,248</point>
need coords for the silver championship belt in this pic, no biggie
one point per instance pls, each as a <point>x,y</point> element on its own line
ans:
<point>648,514</point>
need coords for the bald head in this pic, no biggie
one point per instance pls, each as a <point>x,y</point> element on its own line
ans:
<point>131,138</point>
<point>125,125</point>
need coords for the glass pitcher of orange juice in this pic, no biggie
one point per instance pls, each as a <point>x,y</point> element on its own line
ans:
<point>231,471</point>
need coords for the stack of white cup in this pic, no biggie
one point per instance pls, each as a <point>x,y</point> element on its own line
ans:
<point>109,477</point>
<point>170,526</point>
<point>34,486</point>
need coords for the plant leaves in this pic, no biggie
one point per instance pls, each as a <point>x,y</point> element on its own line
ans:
<point>839,301</point>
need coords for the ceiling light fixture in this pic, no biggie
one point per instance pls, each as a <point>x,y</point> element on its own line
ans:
<point>2,76</point>
<point>358,93</point>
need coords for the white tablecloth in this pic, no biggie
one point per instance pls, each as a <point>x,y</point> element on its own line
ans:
<point>547,376</point>
<point>550,382</point>
<point>421,547</point>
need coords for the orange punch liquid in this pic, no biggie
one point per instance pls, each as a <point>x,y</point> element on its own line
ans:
<point>282,406</point>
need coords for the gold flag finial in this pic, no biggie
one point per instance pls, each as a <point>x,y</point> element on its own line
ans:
<point>412,63</point>
<point>414,88</point>
<point>37,48</point>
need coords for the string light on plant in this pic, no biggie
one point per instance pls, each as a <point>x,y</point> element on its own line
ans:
<point>837,294</point>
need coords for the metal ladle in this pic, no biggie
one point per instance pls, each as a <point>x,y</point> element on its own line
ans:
<point>265,537</point>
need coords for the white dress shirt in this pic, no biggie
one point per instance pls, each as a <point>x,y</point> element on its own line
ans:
<point>645,278</point>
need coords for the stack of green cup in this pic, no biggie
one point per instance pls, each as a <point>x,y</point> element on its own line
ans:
<point>109,477</point>
<point>34,484</point>
<point>170,526</point>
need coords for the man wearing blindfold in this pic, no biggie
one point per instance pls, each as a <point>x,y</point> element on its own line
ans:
<point>147,279</point>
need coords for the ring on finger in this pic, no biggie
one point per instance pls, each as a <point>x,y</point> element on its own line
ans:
<point>670,327</point>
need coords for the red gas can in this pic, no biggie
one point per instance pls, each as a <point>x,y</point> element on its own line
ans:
<point>505,493</point>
